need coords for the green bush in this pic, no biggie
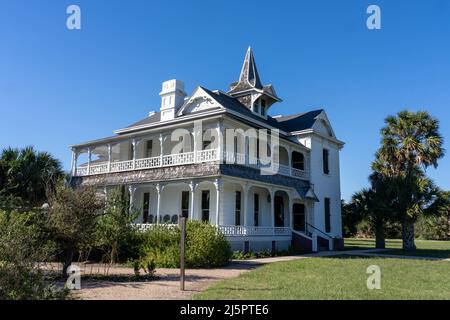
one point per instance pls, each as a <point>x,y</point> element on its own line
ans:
<point>433,227</point>
<point>205,246</point>
<point>23,245</point>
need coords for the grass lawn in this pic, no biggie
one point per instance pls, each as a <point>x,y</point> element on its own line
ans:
<point>425,248</point>
<point>341,277</point>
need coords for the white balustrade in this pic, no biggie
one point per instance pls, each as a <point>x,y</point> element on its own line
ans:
<point>208,155</point>
<point>82,171</point>
<point>238,231</point>
<point>148,163</point>
<point>121,166</point>
<point>178,159</point>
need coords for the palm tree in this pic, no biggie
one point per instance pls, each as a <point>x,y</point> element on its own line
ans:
<point>410,143</point>
<point>28,175</point>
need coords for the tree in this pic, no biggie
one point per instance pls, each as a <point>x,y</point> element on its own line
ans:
<point>410,143</point>
<point>114,227</point>
<point>73,220</point>
<point>27,176</point>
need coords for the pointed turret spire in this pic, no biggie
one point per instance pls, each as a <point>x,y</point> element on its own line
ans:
<point>249,90</point>
<point>249,77</point>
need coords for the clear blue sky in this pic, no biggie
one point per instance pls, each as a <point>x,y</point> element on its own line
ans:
<point>59,87</point>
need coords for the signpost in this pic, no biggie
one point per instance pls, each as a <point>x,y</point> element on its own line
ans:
<point>182,250</point>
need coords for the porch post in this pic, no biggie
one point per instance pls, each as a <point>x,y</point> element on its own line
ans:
<point>272,209</point>
<point>291,210</point>
<point>192,188</point>
<point>246,188</point>
<point>131,190</point>
<point>161,141</point>
<point>133,142</point>
<point>220,140</point>
<point>89,161</point>
<point>74,162</point>
<point>159,190</point>
<point>218,184</point>
<point>109,156</point>
<point>289,150</point>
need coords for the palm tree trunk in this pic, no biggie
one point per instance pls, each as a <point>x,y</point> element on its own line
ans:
<point>380,238</point>
<point>408,234</point>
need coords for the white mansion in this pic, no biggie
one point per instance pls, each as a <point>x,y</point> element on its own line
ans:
<point>170,168</point>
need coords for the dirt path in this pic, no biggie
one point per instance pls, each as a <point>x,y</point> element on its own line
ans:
<point>167,286</point>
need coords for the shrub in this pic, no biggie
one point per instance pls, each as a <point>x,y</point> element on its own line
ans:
<point>433,227</point>
<point>205,246</point>
<point>23,245</point>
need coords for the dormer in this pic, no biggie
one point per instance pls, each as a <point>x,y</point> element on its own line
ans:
<point>250,91</point>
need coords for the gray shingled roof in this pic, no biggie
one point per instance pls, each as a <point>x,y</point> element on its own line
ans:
<point>290,123</point>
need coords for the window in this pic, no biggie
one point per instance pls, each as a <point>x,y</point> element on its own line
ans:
<point>146,208</point>
<point>131,151</point>
<point>256,209</point>
<point>263,107</point>
<point>298,160</point>
<point>326,168</point>
<point>185,204</point>
<point>205,205</point>
<point>327,215</point>
<point>148,148</point>
<point>256,107</point>
<point>237,211</point>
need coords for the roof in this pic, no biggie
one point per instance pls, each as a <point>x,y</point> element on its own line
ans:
<point>298,122</point>
<point>153,118</point>
<point>290,123</point>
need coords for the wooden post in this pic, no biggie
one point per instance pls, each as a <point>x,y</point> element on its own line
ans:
<point>182,250</point>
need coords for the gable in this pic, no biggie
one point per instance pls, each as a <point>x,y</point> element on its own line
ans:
<point>199,101</point>
<point>322,125</point>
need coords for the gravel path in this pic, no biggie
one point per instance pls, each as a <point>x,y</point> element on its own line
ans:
<point>167,286</point>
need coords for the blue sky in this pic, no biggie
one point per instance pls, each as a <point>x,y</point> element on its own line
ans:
<point>59,87</point>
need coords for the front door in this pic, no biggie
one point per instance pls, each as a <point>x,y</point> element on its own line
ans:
<point>298,211</point>
<point>279,211</point>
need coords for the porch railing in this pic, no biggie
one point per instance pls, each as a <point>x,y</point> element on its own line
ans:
<point>238,231</point>
<point>201,156</point>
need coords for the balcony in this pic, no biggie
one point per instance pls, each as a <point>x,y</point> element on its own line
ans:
<point>202,156</point>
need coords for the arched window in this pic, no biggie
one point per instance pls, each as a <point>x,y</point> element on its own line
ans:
<point>174,219</point>
<point>298,160</point>
<point>166,218</point>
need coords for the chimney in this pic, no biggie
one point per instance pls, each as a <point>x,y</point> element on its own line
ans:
<point>172,98</point>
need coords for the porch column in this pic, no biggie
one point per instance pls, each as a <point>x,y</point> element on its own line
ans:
<point>131,190</point>
<point>272,208</point>
<point>89,161</point>
<point>246,188</point>
<point>289,150</point>
<point>291,210</point>
<point>109,157</point>
<point>133,142</point>
<point>192,188</point>
<point>220,140</point>
<point>161,141</point>
<point>218,184</point>
<point>159,190</point>
<point>74,162</point>
<point>246,151</point>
